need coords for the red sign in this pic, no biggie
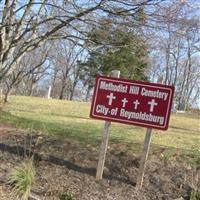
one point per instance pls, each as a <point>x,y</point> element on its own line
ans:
<point>132,102</point>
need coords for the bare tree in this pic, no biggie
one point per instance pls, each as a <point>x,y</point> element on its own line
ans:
<point>26,25</point>
<point>30,69</point>
<point>65,70</point>
<point>174,50</point>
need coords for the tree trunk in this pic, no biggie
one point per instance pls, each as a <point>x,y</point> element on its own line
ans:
<point>1,94</point>
<point>61,93</point>
<point>71,94</point>
<point>87,96</point>
<point>73,90</point>
<point>61,96</point>
<point>7,94</point>
<point>187,85</point>
<point>53,84</point>
<point>31,88</point>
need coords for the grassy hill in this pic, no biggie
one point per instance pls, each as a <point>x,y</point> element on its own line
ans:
<point>67,155</point>
<point>70,119</point>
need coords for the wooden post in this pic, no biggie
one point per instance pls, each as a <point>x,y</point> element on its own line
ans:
<point>103,150</point>
<point>143,160</point>
<point>105,137</point>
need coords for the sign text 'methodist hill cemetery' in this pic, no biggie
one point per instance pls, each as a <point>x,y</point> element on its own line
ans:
<point>132,102</point>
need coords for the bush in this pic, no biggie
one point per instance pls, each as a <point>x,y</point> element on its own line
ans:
<point>22,178</point>
<point>196,153</point>
<point>67,196</point>
<point>195,195</point>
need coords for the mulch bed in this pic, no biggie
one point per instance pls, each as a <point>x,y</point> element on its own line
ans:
<point>65,167</point>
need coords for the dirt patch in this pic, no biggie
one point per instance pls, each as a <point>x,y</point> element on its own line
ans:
<point>68,167</point>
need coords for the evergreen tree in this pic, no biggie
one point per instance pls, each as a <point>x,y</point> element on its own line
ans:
<point>115,49</point>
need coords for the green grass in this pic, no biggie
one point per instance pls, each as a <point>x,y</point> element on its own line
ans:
<point>22,178</point>
<point>70,119</point>
<point>195,195</point>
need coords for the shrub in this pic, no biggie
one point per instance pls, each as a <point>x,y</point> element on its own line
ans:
<point>67,196</point>
<point>196,153</point>
<point>195,195</point>
<point>22,178</point>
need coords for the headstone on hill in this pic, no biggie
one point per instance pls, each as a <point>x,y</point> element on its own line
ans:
<point>49,93</point>
<point>131,102</point>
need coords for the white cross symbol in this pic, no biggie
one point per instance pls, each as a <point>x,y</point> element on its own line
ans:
<point>152,103</point>
<point>124,101</point>
<point>110,97</point>
<point>136,103</point>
